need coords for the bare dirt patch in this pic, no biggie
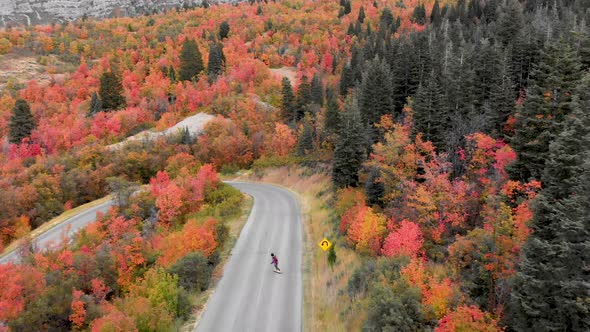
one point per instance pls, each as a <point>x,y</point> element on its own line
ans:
<point>288,72</point>
<point>21,69</point>
<point>195,125</point>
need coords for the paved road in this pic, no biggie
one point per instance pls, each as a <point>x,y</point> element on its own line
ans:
<point>56,234</point>
<point>250,296</point>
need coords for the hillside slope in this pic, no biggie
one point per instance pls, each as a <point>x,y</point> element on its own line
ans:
<point>46,11</point>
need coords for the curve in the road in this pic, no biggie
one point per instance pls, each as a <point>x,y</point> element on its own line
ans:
<point>65,229</point>
<point>250,296</point>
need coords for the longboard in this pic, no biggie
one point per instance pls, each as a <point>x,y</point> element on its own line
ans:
<point>275,271</point>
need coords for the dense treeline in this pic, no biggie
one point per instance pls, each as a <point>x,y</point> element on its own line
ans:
<point>431,104</point>
<point>455,131</point>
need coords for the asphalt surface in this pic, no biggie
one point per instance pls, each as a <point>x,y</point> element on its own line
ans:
<point>54,236</point>
<point>250,296</point>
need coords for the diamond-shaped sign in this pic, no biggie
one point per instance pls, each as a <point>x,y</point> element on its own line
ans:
<point>325,244</point>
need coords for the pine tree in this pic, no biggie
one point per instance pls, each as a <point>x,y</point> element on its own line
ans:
<point>317,91</point>
<point>346,80</point>
<point>287,101</point>
<point>223,30</point>
<point>110,91</point>
<point>332,119</point>
<point>303,98</point>
<point>386,19</point>
<point>548,100</point>
<point>172,73</point>
<point>502,96</point>
<point>419,15</point>
<point>375,96</point>
<point>351,31</point>
<point>350,149</point>
<point>191,61</point>
<point>21,122</point>
<point>95,105</point>
<point>375,188</point>
<point>305,142</point>
<point>510,21</point>
<point>361,17</point>
<point>347,7</point>
<point>216,63</point>
<point>435,16</point>
<point>430,116</point>
<point>551,290</point>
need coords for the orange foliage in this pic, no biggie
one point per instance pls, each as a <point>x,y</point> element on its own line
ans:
<point>114,321</point>
<point>282,142</point>
<point>78,312</point>
<point>364,229</point>
<point>468,319</point>
<point>193,237</point>
<point>19,284</point>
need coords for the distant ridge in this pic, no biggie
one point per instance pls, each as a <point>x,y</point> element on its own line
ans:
<point>29,12</point>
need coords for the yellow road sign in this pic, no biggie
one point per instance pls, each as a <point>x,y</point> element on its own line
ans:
<point>325,244</point>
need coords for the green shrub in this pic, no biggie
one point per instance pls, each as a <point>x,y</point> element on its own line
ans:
<point>225,201</point>
<point>193,271</point>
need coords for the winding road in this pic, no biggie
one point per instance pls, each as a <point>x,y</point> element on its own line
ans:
<point>249,296</point>
<point>66,229</point>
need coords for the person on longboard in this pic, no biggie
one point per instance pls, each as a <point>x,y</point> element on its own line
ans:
<point>275,262</point>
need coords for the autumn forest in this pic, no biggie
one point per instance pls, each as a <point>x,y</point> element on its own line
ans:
<point>453,135</point>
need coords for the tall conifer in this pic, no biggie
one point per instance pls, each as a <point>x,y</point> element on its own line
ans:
<point>21,122</point>
<point>350,149</point>
<point>111,91</point>
<point>552,289</point>
<point>191,61</point>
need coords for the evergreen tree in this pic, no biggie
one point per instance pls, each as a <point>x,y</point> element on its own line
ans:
<point>172,73</point>
<point>110,91</point>
<point>347,7</point>
<point>502,96</point>
<point>223,30</point>
<point>191,61</point>
<point>216,63</point>
<point>350,149</point>
<point>435,17</point>
<point>332,119</point>
<point>346,80</point>
<point>317,91</point>
<point>430,116</point>
<point>351,31</point>
<point>95,105</point>
<point>548,100</point>
<point>21,122</point>
<point>303,98</point>
<point>287,101</point>
<point>361,17</point>
<point>551,290</point>
<point>510,21</point>
<point>386,19</point>
<point>375,188</point>
<point>375,96</point>
<point>305,142</point>
<point>419,15</point>
<point>259,11</point>
<point>356,64</point>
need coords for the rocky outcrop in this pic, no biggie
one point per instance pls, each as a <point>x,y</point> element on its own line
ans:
<point>47,11</point>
